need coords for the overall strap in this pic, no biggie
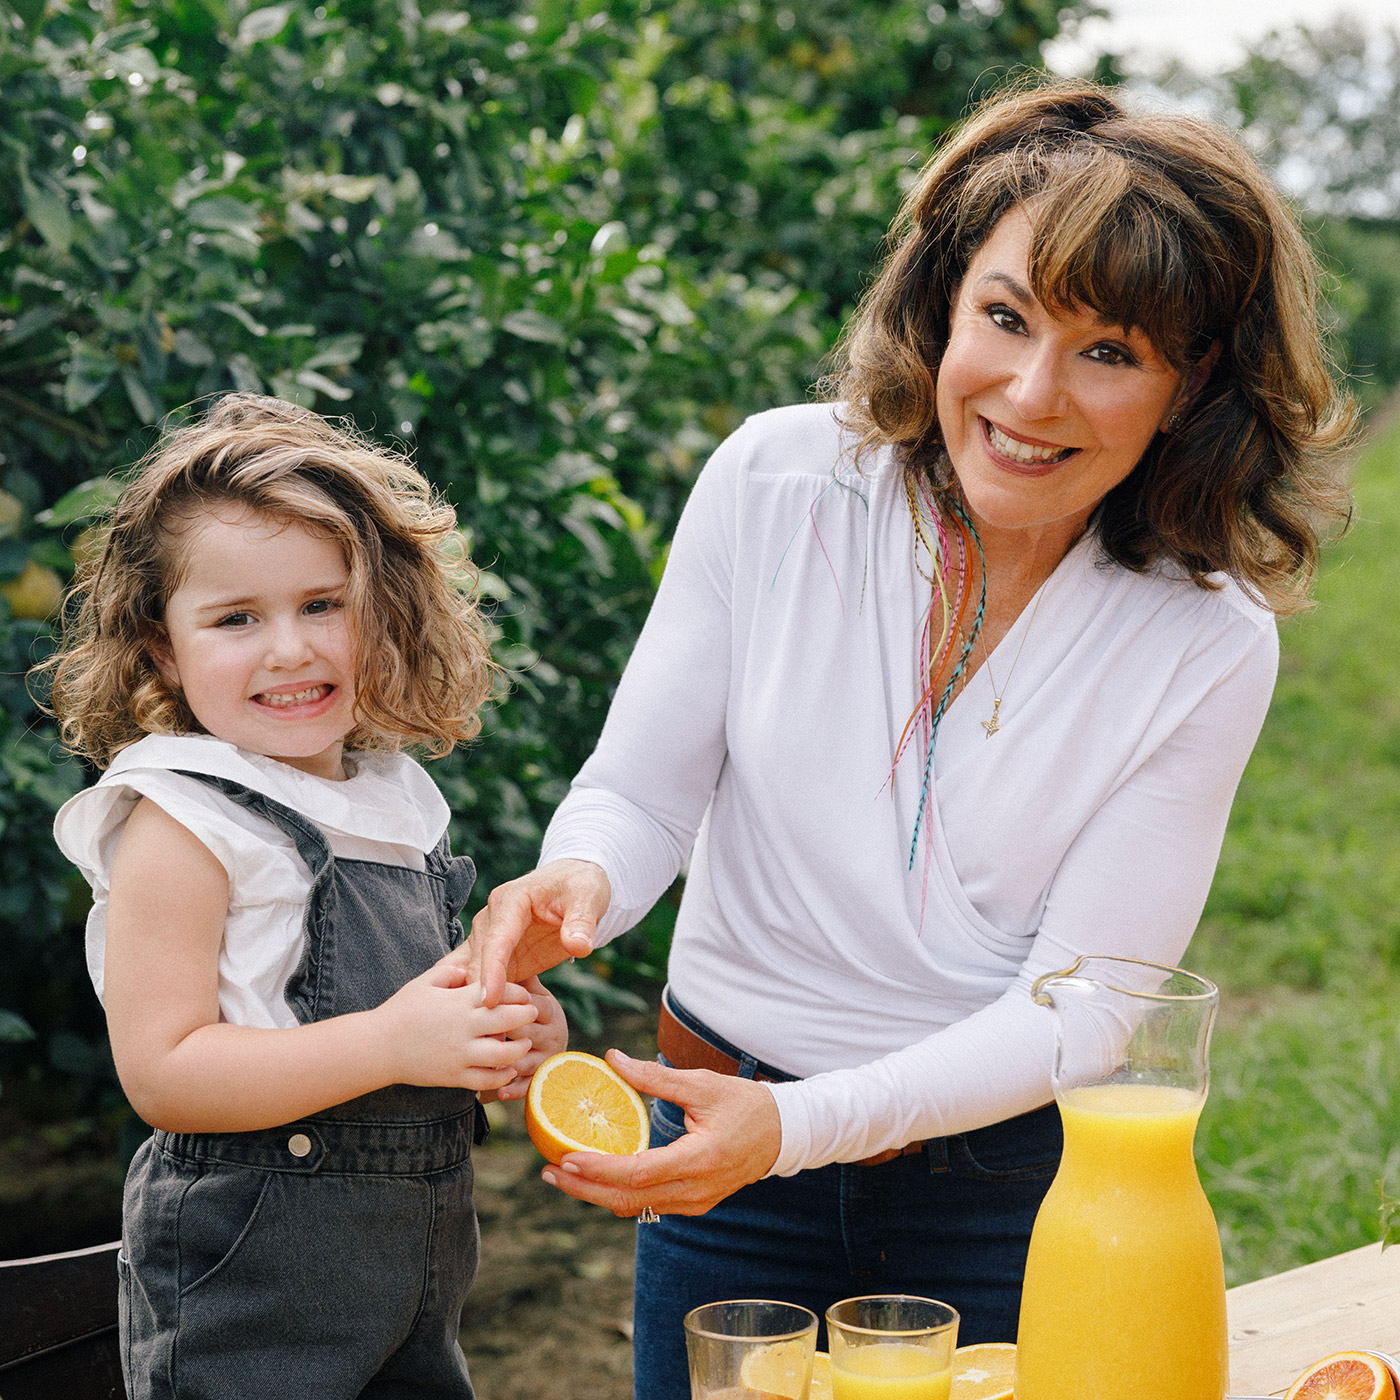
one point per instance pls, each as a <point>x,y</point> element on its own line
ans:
<point>458,874</point>
<point>310,841</point>
<point>369,928</point>
<point>310,985</point>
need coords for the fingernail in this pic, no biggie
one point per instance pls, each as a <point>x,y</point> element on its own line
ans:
<point>569,1167</point>
<point>549,1178</point>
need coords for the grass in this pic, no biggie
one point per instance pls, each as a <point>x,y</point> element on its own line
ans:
<point>1302,930</point>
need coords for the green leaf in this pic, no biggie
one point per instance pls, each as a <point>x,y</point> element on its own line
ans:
<point>336,350</point>
<point>191,349</point>
<point>14,1029</point>
<point>30,11</point>
<point>147,409</point>
<point>244,374</point>
<point>73,1055</point>
<point>262,24</point>
<point>536,326</point>
<point>311,379</point>
<point>48,213</point>
<point>351,189</point>
<point>37,318</point>
<point>89,373</point>
<point>52,554</point>
<point>14,555</point>
<point>245,318</point>
<point>222,211</point>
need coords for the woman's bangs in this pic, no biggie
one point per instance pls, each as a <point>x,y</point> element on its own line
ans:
<point>1122,258</point>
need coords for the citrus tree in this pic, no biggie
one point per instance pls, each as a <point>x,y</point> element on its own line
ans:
<point>557,248</point>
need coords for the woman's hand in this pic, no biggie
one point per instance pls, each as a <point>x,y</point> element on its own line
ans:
<point>547,1036</point>
<point>732,1138</point>
<point>536,922</point>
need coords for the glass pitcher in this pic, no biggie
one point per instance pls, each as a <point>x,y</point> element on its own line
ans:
<point>1124,1295</point>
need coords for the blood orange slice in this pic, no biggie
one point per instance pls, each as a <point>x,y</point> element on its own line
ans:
<point>1345,1375</point>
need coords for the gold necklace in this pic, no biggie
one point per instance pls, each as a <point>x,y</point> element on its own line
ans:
<point>993,725</point>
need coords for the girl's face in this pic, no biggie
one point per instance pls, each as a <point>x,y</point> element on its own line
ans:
<point>259,640</point>
<point>1042,414</point>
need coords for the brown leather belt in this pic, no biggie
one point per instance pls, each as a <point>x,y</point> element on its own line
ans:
<point>684,1049</point>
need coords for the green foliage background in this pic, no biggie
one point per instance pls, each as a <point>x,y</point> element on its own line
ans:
<point>559,248</point>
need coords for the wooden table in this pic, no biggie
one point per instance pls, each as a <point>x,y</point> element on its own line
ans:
<point>1279,1325</point>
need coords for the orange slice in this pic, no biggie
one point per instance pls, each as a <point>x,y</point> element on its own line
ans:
<point>778,1370</point>
<point>820,1389</point>
<point>1345,1375</point>
<point>984,1371</point>
<point>579,1103</point>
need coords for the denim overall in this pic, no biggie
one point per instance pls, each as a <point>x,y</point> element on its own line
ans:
<point>330,1257</point>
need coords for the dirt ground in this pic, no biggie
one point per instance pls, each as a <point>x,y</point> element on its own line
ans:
<point>550,1314</point>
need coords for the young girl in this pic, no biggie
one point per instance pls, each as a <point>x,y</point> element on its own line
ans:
<point>275,614</point>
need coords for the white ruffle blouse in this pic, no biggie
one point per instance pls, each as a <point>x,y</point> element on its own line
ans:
<point>389,810</point>
<point>757,722</point>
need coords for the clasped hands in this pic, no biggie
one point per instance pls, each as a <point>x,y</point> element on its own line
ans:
<point>732,1128</point>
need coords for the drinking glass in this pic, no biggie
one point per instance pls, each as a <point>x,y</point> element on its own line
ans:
<point>891,1346</point>
<point>750,1349</point>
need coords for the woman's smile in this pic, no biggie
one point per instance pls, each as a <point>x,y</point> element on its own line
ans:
<point>1028,456</point>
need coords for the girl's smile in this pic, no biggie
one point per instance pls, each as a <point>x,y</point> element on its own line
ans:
<point>259,641</point>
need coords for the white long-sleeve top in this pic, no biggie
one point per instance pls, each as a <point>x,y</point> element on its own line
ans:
<point>761,710</point>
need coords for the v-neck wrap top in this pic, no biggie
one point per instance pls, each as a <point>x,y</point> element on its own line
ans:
<point>754,733</point>
<point>387,811</point>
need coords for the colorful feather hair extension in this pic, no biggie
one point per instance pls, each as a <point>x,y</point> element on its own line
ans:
<point>951,604</point>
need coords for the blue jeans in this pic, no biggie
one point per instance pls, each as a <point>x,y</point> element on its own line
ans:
<point>951,1223</point>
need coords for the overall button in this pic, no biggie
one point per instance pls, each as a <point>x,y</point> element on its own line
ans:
<point>299,1144</point>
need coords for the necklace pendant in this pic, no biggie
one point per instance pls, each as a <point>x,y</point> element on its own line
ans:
<point>993,725</point>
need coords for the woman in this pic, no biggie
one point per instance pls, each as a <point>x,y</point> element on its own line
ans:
<point>1074,472</point>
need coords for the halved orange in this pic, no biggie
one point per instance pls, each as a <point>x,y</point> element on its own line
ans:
<point>1345,1375</point>
<point>984,1371</point>
<point>579,1103</point>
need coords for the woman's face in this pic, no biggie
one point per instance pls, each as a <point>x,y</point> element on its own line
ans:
<point>1042,414</point>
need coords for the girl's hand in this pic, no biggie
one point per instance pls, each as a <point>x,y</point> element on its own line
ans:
<point>534,923</point>
<point>733,1134</point>
<point>435,1031</point>
<point>547,1036</point>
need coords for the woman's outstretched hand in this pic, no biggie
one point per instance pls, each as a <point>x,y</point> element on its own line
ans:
<point>534,923</point>
<point>732,1138</point>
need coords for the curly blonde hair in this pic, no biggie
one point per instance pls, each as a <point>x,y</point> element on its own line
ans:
<point>423,666</point>
<point>1164,223</point>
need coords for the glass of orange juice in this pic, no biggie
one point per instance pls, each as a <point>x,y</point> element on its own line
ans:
<point>891,1346</point>
<point>750,1349</point>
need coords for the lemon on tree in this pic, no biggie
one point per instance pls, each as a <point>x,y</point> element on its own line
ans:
<point>34,593</point>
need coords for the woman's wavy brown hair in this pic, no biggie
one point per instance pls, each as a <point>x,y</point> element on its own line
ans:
<point>1157,222</point>
<point>423,666</point>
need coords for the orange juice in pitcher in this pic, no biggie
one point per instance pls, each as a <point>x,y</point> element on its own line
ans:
<point>1124,1294</point>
